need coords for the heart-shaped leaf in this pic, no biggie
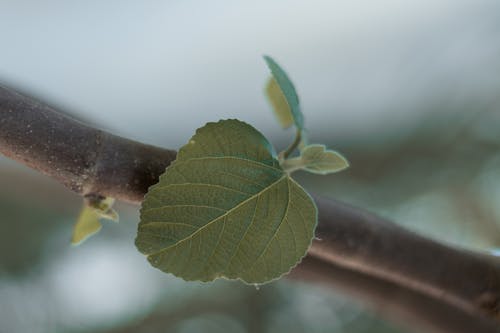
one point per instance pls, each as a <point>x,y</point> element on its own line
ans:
<point>225,208</point>
<point>285,86</point>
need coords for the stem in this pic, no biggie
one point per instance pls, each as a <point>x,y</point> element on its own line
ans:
<point>292,164</point>
<point>91,161</point>
<point>294,145</point>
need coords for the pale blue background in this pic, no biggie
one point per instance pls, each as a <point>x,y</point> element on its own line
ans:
<point>370,74</point>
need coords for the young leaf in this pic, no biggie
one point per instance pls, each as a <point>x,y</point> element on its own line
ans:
<point>86,225</point>
<point>279,103</point>
<point>225,208</point>
<point>103,208</point>
<point>289,93</point>
<point>317,159</point>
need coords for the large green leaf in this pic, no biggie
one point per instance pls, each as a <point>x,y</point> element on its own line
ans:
<point>289,93</point>
<point>225,208</point>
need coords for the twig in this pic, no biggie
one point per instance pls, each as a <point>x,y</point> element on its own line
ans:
<point>296,142</point>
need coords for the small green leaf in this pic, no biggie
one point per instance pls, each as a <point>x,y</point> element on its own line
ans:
<point>94,209</point>
<point>109,214</point>
<point>87,225</point>
<point>225,208</point>
<point>317,159</point>
<point>289,93</point>
<point>279,103</point>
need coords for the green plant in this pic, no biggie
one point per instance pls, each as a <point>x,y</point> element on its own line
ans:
<point>364,255</point>
<point>227,206</point>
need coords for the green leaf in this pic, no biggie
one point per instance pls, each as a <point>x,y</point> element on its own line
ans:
<point>225,208</point>
<point>87,225</point>
<point>102,207</point>
<point>279,103</point>
<point>289,93</point>
<point>317,159</point>
<point>94,208</point>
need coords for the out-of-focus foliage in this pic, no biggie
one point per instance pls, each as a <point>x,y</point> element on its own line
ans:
<point>86,225</point>
<point>279,103</point>
<point>88,220</point>
<point>315,158</point>
<point>281,87</point>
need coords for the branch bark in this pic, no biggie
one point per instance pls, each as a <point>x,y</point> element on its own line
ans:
<point>85,159</point>
<point>91,161</point>
<point>411,309</point>
<point>357,240</point>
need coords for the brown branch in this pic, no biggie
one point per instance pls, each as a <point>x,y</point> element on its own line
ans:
<point>361,241</point>
<point>409,308</point>
<point>85,159</point>
<point>91,161</point>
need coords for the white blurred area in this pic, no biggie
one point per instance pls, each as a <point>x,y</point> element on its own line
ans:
<point>155,71</point>
<point>89,287</point>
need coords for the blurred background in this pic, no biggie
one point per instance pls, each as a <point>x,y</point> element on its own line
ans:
<point>408,91</point>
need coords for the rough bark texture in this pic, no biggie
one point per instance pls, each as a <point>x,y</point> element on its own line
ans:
<point>85,159</point>
<point>441,288</point>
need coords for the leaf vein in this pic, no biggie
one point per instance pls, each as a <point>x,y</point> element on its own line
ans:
<point>202,184</point>
<point>179,206</point>
<point>233,158</point>
<point>222,216</point>
<point>277,229</point>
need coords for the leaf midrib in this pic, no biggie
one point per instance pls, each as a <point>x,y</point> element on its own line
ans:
<point>284,176</point>
<point>228,158</point>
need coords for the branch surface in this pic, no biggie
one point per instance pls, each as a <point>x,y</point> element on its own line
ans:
<point>92,161</point>
<point>85,159</point>
<point>411,309</point>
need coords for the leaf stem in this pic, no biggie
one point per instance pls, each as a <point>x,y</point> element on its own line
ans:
<point>294,145</point>
<point>292,164</point>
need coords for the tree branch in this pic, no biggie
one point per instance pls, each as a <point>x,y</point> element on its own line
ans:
<point>363,242</point>
<point>405,306</point>
<point>91,161</point>
<point>85,159</point>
